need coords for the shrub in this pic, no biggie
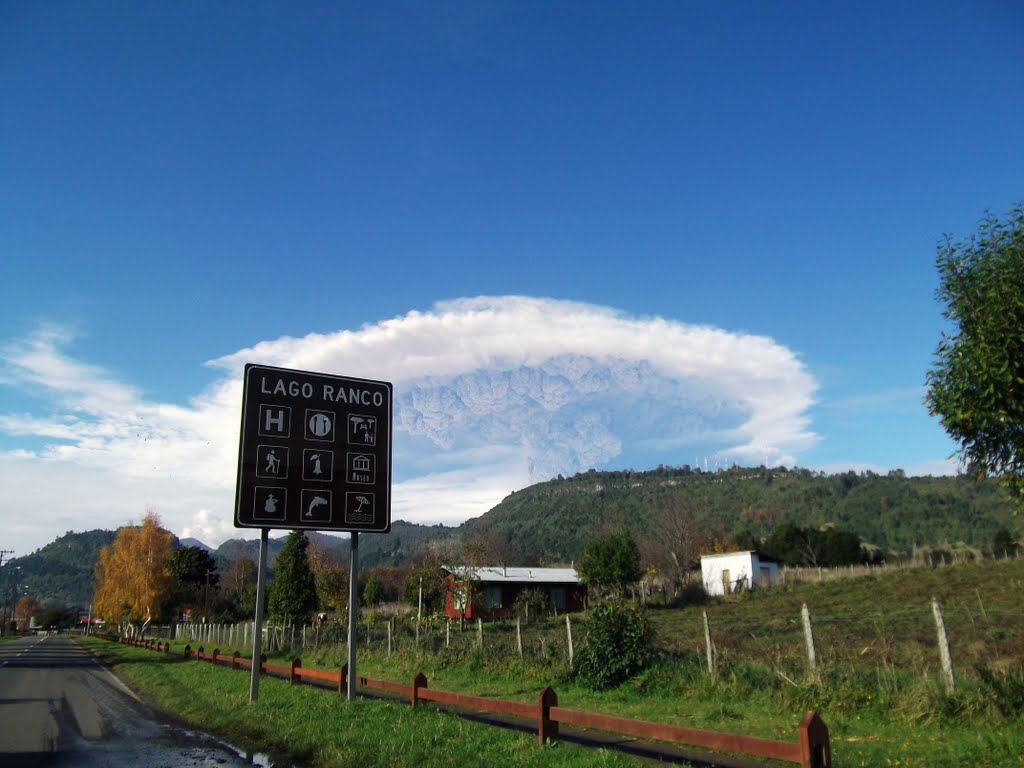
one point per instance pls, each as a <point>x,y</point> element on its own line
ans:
<point>617,644</point>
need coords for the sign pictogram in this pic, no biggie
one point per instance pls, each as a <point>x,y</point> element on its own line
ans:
<point>293,425</point>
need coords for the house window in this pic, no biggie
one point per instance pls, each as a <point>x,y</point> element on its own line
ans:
<point>492,598</point>
<point>558,598</point>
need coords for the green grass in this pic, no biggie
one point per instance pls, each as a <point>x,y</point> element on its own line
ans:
<point>878,686</point>
<point>300,725</point>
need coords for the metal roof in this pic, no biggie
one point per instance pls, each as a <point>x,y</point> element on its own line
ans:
<point>501,574</point>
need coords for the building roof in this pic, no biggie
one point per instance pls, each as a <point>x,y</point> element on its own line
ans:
<point>760,555</point>
<point>516,575</point>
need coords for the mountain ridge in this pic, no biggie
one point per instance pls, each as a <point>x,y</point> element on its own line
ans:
<point>550,523</point>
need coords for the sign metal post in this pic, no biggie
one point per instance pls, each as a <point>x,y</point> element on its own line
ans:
<point>314,453</point>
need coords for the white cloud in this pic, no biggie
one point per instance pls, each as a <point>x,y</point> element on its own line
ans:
<point>491,393</point>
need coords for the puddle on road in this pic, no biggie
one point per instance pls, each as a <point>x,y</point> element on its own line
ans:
<point>256,758</point>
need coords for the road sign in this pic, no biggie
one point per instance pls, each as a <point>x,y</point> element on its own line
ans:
<point>314,452</point>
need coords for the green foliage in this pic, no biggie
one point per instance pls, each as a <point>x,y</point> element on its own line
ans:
<point>1005,691</point>
<point>373,591</point>
<point>1004,544</point>
<point>611,561</point>
<point>618,644</point>
<point>305,726</point>
<point>61,573</point>
<point>57,617</point>
<point>531,602</point>
<point>193,565</point>
<point>194,580</point>
<point>551,521</point>
<point>293,593</point>
<point>976,384</point>
<point>795,546</point>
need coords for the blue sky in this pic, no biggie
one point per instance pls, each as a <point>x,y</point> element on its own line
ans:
<point>573,234</point>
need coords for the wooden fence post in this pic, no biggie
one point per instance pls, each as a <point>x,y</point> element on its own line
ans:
<point>213,658</point>
<point>709,646</point>
<point>295,674</point>
<point>547,729</point>
<point>480,633</point>
<point>519,638</point>
<point>812,661</point>
<point>944,655</point>
<point>188,650</point>
<point>235,664</point>
<point>568,632</point>
<point>420,681</point>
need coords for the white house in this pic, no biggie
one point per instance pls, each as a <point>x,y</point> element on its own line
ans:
<point>733,571</point>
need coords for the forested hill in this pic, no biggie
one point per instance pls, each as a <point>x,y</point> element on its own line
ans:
<point>552,521</point>
<point>61,573</point>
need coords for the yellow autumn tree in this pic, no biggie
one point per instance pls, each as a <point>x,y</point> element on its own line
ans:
<point>132,577</point>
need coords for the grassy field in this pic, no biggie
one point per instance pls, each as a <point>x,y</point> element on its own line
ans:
<point>878,683</point>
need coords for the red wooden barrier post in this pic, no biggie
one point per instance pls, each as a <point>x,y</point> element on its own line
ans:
<point>814,746</point>
<point>547,729</point>
<point>293,677</point>
<point>216,653</point>
<point>420,681</point>
<point>235,664</point>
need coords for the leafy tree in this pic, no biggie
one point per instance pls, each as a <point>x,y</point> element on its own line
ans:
<point>787,543</point>
<point>193,565</point>
<point>57,617</point>
<point>132,575</point>
<point>611,561</point>
<point>976,384</point>
<point>293,593</point>
<point>330,575</point>
<point>26,608</point>
<point>531,601</point>
<point>332,587</point>
<point>840,548</point>
<point>373,591</point>
<point>428,572</point>
<point>679,538</point>
<point>236,599</point>
<point>796,546</point>
<point>194,574</point>
<point>1004,544</point>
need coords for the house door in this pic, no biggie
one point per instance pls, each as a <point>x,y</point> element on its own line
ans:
<point>726,581</point>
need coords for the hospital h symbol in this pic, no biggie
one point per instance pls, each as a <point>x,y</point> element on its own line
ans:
<point>274,423</point>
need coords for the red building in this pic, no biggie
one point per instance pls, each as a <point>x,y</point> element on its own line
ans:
<point>492,591</point>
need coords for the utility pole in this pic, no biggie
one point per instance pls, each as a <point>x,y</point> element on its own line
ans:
<point>3,626</point>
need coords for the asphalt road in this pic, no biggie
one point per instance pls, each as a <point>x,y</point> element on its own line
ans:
<point>60,707</point>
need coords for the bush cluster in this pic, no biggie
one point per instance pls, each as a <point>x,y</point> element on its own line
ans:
<point>618,643</point>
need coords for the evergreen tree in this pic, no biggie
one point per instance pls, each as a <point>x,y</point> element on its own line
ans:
<point>293,592</point>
